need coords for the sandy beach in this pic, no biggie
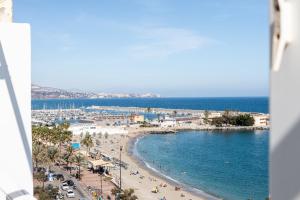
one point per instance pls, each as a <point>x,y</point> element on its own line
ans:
<point>146,180</point>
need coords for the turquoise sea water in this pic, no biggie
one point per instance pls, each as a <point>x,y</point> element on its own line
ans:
<point>230,165</point>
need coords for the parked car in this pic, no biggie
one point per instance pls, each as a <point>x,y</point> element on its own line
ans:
<point>69,182</point>
<point>40,169</point>
<point>70,194</point>
<point>59,177</point>
<point>64,186</point>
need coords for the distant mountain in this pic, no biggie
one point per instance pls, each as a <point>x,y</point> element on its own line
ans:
<point>40,92</point>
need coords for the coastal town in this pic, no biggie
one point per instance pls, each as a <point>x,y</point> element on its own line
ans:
<point>95,159</point>
<point>119,120</point>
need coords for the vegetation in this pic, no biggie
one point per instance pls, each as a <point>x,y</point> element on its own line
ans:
<point>68,157</point>
<point>46,194</point>
<point>78,159</point>
<point>53,155</point>
<point>87,141</point>
<point>127,194</point>
<point>206,116</point>
<point>38,154</point>
<point>41,177</point>
<point>227,119</point>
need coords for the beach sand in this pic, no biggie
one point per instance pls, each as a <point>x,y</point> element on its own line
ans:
<point>146,180</point>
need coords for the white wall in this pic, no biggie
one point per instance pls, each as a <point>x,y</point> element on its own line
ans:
<point>285,114</point>
<point>15,108</point>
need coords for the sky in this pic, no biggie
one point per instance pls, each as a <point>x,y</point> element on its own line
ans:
<point>175,48</point>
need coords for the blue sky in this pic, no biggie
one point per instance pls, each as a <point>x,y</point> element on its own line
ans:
<point>170,47</point>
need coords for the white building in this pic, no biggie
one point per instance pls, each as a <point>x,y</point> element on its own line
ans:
<point>77,129</point>
<point>261,120</point>
<point>214,115</point>
<point>168,123</point>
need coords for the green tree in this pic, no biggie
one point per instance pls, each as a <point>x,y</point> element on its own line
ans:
<point>244,120</point>
<point>78,158</point>
<point>53,155</point>
<point>68,157</point>
<point>206,116</point>
<point>41,177</point>
<point>87,141</point>
<point>46,194</point>
<point>217,121</point>
<point>226,117</point>
<point>39,154</point>
<point>62,134</point>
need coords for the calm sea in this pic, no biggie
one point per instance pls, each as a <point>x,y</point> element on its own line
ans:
<point>247,104</point>
<point>231,165</point>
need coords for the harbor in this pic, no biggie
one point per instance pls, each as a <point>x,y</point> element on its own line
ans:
<point>157,119</point>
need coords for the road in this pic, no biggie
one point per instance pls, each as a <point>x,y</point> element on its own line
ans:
<point>79,191</point>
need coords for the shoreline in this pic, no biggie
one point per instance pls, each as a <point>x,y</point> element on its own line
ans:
<point>194,192</point>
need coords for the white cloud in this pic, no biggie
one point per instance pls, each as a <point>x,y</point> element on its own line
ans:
<point>162,42</point>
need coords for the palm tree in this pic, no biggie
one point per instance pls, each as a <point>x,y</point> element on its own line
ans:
<point>40,134</point>
<point>38,152</point>
<point>174,113</point>
<point>41,177</point>
<point>53,155</point>
<point>78,158</point>
<point>87,141</point>
<point>62,134</point>
<point>68,156</point>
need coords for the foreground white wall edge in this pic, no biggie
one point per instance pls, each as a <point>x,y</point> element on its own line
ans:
<point>285,102</point>
<point>15,110</point>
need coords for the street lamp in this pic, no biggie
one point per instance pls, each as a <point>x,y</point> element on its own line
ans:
<point>121,148</point>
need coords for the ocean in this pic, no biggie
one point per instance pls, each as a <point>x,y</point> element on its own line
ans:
<point>230,165</point>
<point>246,104</point>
